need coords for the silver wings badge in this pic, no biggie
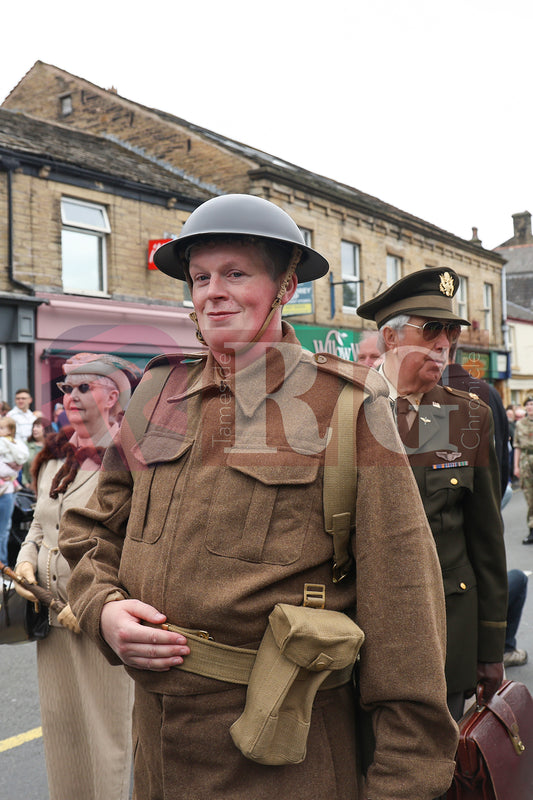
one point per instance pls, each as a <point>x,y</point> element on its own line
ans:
<point>448,456</point>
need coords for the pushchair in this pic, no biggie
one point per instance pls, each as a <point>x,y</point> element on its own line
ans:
<point>20,522</point>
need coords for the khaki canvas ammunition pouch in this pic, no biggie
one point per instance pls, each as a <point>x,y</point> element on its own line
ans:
<point>300,649</point>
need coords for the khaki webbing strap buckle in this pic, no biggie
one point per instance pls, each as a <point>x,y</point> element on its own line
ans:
<point>314,595</point>
<point>340,480</point>
<point>343,561</point>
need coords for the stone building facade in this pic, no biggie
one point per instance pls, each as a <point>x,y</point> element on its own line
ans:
<point>518,253</point>
<point>368,242</point>
<point>77,215</point>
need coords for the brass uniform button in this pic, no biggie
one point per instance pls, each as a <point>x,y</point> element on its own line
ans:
<point>320,359</point>
<point>454,481</point>
<point>462,585</point>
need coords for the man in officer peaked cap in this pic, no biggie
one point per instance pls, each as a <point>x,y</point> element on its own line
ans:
<point>428,291</point>
<point>449,440</point>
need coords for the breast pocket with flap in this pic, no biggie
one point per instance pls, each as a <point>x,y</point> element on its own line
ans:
<point>165,455</point>
<point>261,514</point>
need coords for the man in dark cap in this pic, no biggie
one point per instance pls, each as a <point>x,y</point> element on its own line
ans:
<point>449,439</point>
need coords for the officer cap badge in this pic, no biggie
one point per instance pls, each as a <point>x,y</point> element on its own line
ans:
<point>446,284</point>
<point>426,293</point>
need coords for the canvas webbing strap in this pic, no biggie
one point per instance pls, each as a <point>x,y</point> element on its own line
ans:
<point>232,664</point>
<point>135,415</point>
<point>340,480</point>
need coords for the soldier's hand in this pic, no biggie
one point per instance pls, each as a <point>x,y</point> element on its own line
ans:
<point>490,678</point>
<point>137,645</point>
<point>25,570</point>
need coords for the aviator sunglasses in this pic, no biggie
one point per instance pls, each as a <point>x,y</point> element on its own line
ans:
<point>432,329</point>
<point>68,388</point>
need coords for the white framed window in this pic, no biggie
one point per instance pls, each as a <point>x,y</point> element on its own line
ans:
<point>461,297</point>
<point>187,297</point>
<point>394,269</point>
<point>66,104</point>
<point>308,236</point>
<point>487,308</point>
<point>4,388</point>
<point>351,288</point>
<point>83,246</point>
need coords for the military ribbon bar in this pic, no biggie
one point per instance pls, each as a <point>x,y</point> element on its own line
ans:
<point>450,464</point>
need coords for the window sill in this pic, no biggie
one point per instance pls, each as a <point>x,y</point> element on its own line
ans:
<point>81,293</point>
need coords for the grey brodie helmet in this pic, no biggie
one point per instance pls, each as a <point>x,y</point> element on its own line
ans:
<point>239,214</point>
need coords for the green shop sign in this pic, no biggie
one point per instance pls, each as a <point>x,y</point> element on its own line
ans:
<point>338,342</point>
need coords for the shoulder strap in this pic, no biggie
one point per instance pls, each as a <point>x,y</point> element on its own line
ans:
<point>135,415</point>
<point>340,479</point>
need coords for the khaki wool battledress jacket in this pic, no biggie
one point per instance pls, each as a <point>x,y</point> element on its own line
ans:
<point>215,515</point>
<point>451,451</point>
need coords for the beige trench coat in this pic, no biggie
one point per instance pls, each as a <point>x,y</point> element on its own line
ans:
<point>218,516</point>
<point>85,702</point>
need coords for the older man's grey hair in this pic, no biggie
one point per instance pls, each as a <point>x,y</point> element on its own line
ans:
<point>397,323</point>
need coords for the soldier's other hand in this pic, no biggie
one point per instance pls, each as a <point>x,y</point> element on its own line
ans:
<point>25,570</point>
<point>490,678</point>
<point>137,645</point>
<point>68,620</point>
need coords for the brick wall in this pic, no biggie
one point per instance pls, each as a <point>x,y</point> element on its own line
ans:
<point>331,223</point>
<point>37,239</point>
<point>99,111</point>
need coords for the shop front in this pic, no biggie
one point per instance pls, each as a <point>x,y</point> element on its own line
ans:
<point>71,324</point>
<point>337,341</point>
<point>17,339</point>
<point>493,366</point>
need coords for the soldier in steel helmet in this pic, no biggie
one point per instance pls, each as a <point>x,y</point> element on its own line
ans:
<point>209,516</point>
<point>449,439</point>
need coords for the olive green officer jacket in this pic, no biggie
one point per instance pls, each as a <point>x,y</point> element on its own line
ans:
<point>451,451</point>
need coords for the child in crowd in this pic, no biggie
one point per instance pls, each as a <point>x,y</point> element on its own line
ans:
<point>40,428</point>
<point>13,454</point>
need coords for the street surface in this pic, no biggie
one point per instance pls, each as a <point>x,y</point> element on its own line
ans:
<point>21,747</point>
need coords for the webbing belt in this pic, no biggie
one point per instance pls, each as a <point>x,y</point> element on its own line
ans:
<point>231,664</point>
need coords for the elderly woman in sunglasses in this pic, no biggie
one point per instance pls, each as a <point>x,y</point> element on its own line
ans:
<point>85,703</point>
<point>449,439</point>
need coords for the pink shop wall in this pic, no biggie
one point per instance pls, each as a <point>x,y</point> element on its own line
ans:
<point>68,325</point>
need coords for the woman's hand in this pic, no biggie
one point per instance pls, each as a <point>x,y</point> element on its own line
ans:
<point>68,620</point>
<point>25,570</point>
<point>138,645</point>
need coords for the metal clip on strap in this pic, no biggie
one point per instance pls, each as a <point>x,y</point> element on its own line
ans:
<point>314,595</point>
<point>340,480</point>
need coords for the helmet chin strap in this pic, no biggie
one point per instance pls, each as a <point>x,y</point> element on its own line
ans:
<point>295,260</point>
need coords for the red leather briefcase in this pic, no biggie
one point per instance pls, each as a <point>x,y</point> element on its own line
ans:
<point>495,753</point>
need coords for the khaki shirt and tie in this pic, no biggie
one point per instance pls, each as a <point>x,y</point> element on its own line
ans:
<point>405,408</point>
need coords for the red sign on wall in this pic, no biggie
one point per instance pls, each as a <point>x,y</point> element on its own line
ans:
<point>153,246</point>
